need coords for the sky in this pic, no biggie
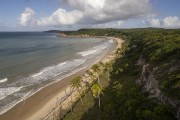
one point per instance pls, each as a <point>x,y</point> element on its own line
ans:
<point>41,15</point>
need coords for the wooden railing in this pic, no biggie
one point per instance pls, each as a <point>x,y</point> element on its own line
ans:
<point>64,105</point>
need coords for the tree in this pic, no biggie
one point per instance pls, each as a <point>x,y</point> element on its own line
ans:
<point>91,75</point>
<point>85,86</point>
<point>101,63</point>
<point>107,67</point>
<point>118,51</point>
<point>97,90</point>
<point>96,69</point>
<point>71,101</point>
<point>76,83</point>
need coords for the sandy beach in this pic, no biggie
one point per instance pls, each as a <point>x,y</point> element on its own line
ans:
<point>40,104</point>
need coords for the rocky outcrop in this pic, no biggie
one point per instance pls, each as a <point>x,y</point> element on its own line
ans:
<point>141,60</point>
<point>151,85</point>
<point>175,66</point>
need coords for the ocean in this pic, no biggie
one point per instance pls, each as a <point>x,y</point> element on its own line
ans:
<point>29,61</point>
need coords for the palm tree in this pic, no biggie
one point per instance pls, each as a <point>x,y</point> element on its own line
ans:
<point>101,63</point>
<point>96,69</point>
<point>107,67</point>
<point>123,49</point>
<point>60,111</point>
<point>91,75</point>
<point>71,90</point>
<point>97,90</point>
<point>76,83</point>
<point>117,51</point>
<point>85,86</point>
<point>66,93</point>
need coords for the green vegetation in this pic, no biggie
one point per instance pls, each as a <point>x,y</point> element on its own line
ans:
<point>93,94</point>
<point>96,70</point>
<point>76,83</point>
<point>97,90</point>
<point>80,109</point>
<point>124,99</point>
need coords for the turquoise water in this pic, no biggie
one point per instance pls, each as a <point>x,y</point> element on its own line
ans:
<point>30,61</point>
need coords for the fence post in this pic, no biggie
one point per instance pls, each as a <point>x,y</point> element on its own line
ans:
<point>66,93</point>
<point>54,114</point>
<point>60,111</point>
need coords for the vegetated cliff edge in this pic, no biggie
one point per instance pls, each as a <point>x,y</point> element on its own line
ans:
<point>151,82</point>
<point>159,52</point>
<point>151,59</point>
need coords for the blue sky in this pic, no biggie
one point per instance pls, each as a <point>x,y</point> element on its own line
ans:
<point>167,7</point>
<point>39,15</point>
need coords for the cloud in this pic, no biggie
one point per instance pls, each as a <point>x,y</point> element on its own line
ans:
<point>61,17</point>
<point>168,22</point>
<point>89,12</point>
<point>113,24</point>
<point>154,22</point>
<point>102,11</point>
<point>26,18</point>
<point>171,21</point>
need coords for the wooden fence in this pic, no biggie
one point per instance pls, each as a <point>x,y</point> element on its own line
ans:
<point>64,105</point>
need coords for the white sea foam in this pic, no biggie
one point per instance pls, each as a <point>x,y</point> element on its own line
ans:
<point>4,92</point>
<point>8,107</point>
<point>37,74</point>
<point>3,80</point>
<point>52,71</point>
<point>89,52</point>
<point>60,64</point>
<point>111,41</point>
<point>46,69</point>
<point>30,93</point>
<point>97,49</point>
<point>12,104</point>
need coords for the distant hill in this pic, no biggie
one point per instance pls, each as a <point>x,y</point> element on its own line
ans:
<point>53,31</point>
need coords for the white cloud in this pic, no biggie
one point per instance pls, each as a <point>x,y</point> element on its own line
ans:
<point>26,17</point>
<point>168,22</point>
<point>154,22</point>
<point>102,11</point>
<point>113,24</point>
<point>171,21</point>
<point>61,17</point>
<point>90,12</point>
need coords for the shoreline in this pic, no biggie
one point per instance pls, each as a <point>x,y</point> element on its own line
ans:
<point>45,100</point>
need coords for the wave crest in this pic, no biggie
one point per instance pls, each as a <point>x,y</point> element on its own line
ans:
<point>3,80</point>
